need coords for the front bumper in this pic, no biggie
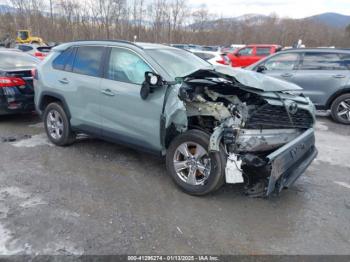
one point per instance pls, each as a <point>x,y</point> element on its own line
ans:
<point>290,161</point>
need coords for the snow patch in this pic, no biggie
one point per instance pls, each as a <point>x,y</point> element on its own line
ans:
<point>36,140</point>
<point>346,185</point>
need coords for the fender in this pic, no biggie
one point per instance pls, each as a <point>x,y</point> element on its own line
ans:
<point>342,91</point>
<point>55,95</point>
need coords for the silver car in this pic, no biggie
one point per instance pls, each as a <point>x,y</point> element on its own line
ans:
<point>323,73</point>
<point>213,124</point>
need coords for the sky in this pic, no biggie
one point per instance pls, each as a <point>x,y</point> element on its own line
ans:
<point>283,8</point>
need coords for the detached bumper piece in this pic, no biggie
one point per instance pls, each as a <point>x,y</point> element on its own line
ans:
<point>290,161</point>
<point>281,168</point>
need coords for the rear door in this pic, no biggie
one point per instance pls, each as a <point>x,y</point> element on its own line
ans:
<point>321,74</point>
<point>77,79</point>
<point>125,116</point>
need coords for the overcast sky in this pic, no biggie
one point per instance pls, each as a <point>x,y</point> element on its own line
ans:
<point>290,8</point>
<point>284,8</point>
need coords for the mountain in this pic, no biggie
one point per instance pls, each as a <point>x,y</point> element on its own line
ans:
<point>331,19</point>
<point>7,9</point>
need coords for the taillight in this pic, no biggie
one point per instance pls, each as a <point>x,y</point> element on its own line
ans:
<point>38,54</point>
<point>224,60</point>
<point>11,81</point>
<point>35,73</point>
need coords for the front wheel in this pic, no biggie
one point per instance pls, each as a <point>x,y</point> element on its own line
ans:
<point>340,109</point>
<point>195,170</point>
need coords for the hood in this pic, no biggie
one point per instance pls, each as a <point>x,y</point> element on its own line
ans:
<point>261,82</point>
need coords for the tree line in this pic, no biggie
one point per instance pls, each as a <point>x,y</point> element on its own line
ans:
<point>161,21</point>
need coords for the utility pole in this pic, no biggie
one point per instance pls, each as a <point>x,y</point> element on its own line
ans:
<point>51,16</point>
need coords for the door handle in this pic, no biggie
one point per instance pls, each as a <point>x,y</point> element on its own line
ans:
<point>64,81</point>
<point>287,75</point>
<point>107,92</point>
<point>338,76</point>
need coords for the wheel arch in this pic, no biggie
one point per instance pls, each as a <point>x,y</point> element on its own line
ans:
<point>340,92</point>
<point>49,97</point>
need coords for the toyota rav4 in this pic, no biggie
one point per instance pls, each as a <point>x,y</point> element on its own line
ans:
<point>213,124</point>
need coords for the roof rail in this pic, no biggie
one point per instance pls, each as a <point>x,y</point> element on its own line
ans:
<point>108,40</point>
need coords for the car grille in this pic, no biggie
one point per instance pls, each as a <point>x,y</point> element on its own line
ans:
<point>270,116</point>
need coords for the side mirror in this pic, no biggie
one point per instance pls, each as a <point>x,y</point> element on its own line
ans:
<point>261,69</point>
<point>151,82</point>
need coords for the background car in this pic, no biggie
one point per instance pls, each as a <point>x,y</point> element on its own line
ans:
<point>324,75</point>
<point>35,50</point>
<point>181,46</point>
<point>214,58</point>
<point>250,54</point>
<point>16,82</point>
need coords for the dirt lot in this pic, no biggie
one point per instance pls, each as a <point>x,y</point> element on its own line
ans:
<point>99,198</point>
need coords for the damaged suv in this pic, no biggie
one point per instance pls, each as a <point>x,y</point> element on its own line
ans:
<point>215,125</point>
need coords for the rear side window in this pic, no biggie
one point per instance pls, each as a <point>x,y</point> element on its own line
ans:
<point>25,48</point>
<point>323,61</point>
<point>65,60</point>
<point>262,51</point>
<point>345,58</point>
<point>88,60</point>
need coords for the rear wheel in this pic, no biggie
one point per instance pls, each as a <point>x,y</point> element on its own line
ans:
<point>57,125</point>
<point>195,170</point>
<point>340,109</point>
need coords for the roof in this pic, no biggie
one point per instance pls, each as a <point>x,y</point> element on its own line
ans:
<point>111,43</point>
<point>328,50</point>
<point>262,45</point>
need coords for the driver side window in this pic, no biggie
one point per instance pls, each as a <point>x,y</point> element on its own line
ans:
<point>287,61</point>
<point>126,66</point>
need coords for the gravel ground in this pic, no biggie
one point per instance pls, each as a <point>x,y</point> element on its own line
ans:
<point>99,198</point>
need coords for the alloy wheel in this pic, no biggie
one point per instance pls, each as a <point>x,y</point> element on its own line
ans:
<point>54,123</point>
<point>343,110</point>
<point>192,163</point>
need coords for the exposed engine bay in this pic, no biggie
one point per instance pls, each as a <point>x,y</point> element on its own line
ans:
<point>250,124</point>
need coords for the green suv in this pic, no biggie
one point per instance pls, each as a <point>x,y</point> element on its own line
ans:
<point>215,125</point>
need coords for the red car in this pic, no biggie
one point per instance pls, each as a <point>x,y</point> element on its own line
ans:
<point>250,54</point>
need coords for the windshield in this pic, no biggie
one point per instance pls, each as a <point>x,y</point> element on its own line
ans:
<point>16,59</point>
<point>176,62</point>
<point>22,35</point>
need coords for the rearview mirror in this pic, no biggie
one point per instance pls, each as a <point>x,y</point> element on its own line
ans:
<point>261,69</point>
<point>151,82</point>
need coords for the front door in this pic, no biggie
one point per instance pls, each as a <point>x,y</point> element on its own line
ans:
<point>282,66</point>
<point>125,116</point>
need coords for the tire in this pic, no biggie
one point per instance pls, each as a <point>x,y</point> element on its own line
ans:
<point>195,141</point>
<point>341,105</point>
<point>55,112</point>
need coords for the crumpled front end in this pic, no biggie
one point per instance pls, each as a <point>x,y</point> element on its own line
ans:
<point>268,136</point>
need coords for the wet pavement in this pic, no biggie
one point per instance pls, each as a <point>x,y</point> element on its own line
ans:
<point>99,198</point>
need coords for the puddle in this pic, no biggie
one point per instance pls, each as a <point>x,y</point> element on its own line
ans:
<point>7,139</point>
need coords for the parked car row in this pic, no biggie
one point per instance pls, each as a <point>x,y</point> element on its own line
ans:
<point>214,124</point>
<point>324,75</point>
